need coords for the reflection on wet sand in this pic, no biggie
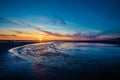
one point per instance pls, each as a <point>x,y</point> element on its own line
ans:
<point>69,55</point>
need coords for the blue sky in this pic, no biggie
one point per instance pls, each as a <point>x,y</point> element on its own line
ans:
<point>62,16</point>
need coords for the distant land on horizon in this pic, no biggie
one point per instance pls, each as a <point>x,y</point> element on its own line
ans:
<point>111,41</point>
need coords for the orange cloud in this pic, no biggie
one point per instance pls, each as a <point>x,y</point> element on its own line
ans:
<point>15,37</point>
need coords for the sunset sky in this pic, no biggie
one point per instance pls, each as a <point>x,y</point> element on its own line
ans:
<point>59,19</point>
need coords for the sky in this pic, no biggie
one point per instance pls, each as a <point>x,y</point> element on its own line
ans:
<point>59,19</point>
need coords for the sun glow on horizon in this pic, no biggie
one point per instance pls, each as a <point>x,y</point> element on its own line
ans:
<point>41,37</point>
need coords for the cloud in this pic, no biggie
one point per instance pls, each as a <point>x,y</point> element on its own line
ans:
<point>48,32</point>
<point>16,37</point>
<point>8,35</point>
<point>2,19</point>
<point>72,36</point>
<point>59,19</point>
<point>55,19</point>
<point>26,24</point>
<point>20,32</point>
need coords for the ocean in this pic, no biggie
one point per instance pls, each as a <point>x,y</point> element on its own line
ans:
<point>60,61</point>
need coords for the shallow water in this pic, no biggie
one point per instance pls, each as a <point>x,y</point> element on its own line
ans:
<point>61,61</point>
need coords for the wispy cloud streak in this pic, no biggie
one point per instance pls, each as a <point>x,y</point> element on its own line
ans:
<point>72,36</point>
<point>7,35</point>
<point>55,19</point>
<point>60,19</point>
<point>2,19</point>
<point>20,32</point>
